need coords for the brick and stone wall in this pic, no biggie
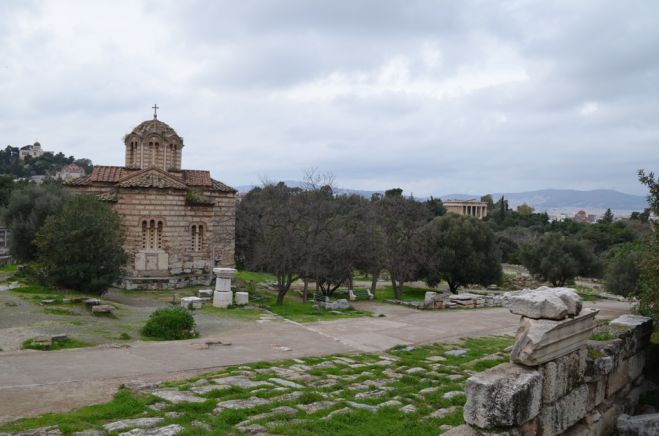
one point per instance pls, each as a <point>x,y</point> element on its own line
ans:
<point>559,381</point>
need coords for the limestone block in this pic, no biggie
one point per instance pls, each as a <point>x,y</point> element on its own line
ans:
<point>222,299</point>
<point>504,396</point>
<point>636,365</point>
<point>640,425</point>
<point>596,393</point>
<point>102,308</point>
<point>564,413</point>
<point>618,379</point>
<point>603,357</point>
<point>140,261</point>
<point>192,302</point>
<point>563,374</point>
<point>205,293</point>
<point>634,330</point>
<point>163,261</point>
<point>539,341</point>
<point>242,298</point>
<point>545,303</point>
<point>340,304</point>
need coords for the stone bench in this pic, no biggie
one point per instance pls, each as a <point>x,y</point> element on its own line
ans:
<point>359,294</point>
<point>192,302</point>
<point>102,308</point>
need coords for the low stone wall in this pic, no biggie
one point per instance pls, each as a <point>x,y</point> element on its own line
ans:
<point>166,282</point>
<point>559,381</point>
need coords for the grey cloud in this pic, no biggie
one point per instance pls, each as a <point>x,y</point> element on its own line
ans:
<point>237,80</point>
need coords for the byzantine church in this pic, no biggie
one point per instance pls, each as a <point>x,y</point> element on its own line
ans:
<point>179,224</point>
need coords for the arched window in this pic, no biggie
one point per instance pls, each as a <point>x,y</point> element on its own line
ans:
<point>196,237</point>
<point>159,235</point>
<point>144,234</point>
<point>152,234</point>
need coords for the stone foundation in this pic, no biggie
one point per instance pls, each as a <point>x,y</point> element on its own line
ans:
<point>168,282</point>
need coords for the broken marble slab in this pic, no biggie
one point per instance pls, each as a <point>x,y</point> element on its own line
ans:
<point>545,303</point>
<point>541,340</point>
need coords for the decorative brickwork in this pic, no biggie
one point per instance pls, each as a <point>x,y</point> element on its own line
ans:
<point>171,241</point>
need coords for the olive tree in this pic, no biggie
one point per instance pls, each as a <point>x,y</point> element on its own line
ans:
<point>558,259</point>
<point>459,249</point>
<point>26,211</point>
<point>80,246</point>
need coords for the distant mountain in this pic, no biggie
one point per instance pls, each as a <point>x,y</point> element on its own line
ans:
<point>553,200</point>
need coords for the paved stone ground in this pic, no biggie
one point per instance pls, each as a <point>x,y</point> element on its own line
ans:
<point>409,390</point>
<point>33,382</point>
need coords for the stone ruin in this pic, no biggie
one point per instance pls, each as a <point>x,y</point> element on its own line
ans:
<point>559,381</point>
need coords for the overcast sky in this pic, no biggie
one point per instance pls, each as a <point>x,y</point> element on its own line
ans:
<point>435,97</point>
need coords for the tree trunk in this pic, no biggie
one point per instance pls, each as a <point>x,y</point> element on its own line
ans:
<point>305,291</point>
<point>374,283</point>
<point>284,284</point>
<point>398,289</point>
<point>350,281</point>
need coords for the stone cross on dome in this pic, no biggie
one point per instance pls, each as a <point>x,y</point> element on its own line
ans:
<point>155,111</point>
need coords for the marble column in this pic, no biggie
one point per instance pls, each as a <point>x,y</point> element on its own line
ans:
<point>223,297</point>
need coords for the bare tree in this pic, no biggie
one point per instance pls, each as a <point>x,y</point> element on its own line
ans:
<point>401,219</point>
<point>269,234</point>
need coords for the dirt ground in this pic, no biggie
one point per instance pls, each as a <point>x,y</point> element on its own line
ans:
<point>22,317</point>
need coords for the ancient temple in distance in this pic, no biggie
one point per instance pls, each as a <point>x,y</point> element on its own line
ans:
<point>178,223</point>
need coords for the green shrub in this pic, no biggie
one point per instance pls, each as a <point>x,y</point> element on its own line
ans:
<point>170,323</point>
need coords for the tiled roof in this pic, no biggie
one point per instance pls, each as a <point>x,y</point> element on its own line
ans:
<point>108,174</point>
<point>219,186</point>
<point>197,178</point>
<point>154,126</point>
<point>78,181</point>
<point>112,174</point>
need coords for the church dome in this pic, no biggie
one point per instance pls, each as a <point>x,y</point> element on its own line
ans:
<point>154,126</point>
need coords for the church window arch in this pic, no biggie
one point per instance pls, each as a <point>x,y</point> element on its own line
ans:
<point>196,237</point>
<point>152,234</point>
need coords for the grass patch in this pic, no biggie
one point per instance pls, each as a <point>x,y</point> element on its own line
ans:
<point>123,405</point>
<point>295,309</point>
<point>33,289</point>
<point>8,268</point>
<point>232,312</point>
<point>409,293</point>
<point>603,336</point>
<point>60,311</point>
<point>255,277</point>
<point>59,345</point>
